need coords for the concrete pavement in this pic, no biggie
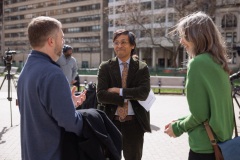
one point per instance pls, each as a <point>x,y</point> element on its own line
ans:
<point>9,127</point>
<point>157,145</point>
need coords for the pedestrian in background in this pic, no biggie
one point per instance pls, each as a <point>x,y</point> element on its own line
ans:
<point>122,81</point>
<point>46,103</point>
<point>208,89</point>
<point>68,64</point>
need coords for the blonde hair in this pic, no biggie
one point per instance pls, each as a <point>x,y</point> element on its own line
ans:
<point>199,29</point>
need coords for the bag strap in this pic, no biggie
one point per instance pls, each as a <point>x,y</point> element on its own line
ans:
<point>218,154</point>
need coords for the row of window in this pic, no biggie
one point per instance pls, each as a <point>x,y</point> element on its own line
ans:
<point>16,26</point>
<point>228,20</point>
<point>80,19</point>
<point>82,40</point>
<point>156,4</point>
<point>13,35</point>
<point>143,6</point>
<point>86,50</point>
<point>54,12</point>
<point>146,19</point>
<point>64,21</point>
<point>51,3</point>
<point>95,39</point>
<point>82,29</point>
<point>75,50</point>
<point>15,43</point>
<point>157,32</point>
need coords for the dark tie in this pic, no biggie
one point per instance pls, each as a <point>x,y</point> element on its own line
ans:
<point>123,111</point>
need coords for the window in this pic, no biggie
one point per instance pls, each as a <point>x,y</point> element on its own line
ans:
<point>159,32</point>
<point>229,21</point>
<point>120,9</point>
<point>96,28</point>
<point>170,3</point>
<point>110,10</point>
<point>119,22</point>
<point>158,4</point>
<point>172,17</point>
<point>110,35</point>
<point>159,19</point>
<point>145,33</point>
<point>110,23</point>
<point>84,64</point>
<point>231,37</point>
<point>146,6</point>
<point>161,62</point>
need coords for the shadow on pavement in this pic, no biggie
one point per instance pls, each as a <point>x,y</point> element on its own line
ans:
<point>5,130</point>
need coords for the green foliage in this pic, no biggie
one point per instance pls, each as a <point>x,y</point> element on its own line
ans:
<point>167,91</point>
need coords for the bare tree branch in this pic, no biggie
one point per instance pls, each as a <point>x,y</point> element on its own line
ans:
<point>152,26</point>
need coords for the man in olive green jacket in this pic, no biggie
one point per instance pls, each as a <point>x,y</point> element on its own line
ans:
<point>112,95</point>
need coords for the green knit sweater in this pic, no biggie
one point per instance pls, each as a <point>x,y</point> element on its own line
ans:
<point>209,98</point>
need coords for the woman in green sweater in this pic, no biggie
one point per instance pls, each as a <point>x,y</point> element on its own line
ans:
<point>208,87</point>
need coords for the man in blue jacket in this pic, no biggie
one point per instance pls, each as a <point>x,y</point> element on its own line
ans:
<point>45,100</point>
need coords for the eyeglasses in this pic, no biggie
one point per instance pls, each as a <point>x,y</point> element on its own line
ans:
<point>123,43</point>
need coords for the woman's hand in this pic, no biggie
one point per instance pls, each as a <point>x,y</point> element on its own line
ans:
<point>168,130</point>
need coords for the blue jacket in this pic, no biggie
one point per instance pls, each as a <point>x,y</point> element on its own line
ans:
<point>46,106</point>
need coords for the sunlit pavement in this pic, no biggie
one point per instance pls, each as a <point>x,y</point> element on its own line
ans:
<point>157,145</point>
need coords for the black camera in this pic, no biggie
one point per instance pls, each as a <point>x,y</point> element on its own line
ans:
<point>8,55</point>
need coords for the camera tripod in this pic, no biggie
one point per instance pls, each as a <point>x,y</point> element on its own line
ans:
<point>236,91</point>
<point>9,77</point>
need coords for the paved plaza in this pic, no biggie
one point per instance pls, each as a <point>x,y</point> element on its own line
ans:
<point>157,145</point>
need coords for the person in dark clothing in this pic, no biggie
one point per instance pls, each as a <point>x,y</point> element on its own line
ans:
<point>100,139</point>
<point>77,83</point>
<point>68,64</point>
<point>122,81</point>
<point>91,97</point>
<point>46,102</point>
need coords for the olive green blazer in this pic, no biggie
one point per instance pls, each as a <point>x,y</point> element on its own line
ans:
<point>138,87</point>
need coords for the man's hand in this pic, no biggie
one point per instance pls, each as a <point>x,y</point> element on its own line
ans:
<point>73,81</point>
<point>114,90</point>
<point>78,100</point>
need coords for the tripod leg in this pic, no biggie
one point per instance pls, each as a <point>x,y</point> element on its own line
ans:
<point>9,97</point>
<point>234,97</point>
<point>14,82</point>
<point>3,82</point>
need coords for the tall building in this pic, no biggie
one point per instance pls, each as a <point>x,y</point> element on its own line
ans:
<point>227,17</point>
<point>151,21</point>
<point>1,21</point>
<point>87,30</point>
<point>83,26</point>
